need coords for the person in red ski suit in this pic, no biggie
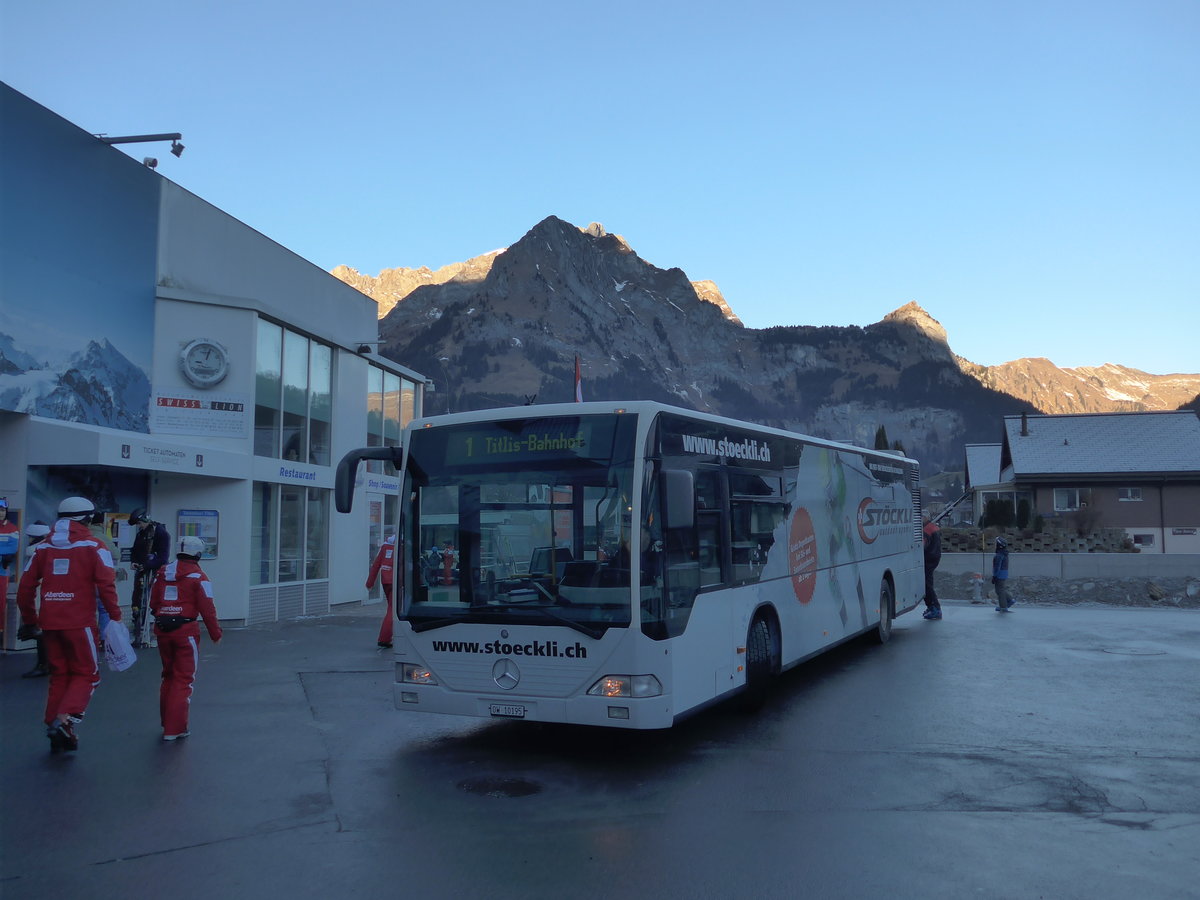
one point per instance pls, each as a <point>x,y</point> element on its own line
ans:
<point>10,539</point>
<point>181,594</point>
<point>382,568</point>
<point>72,569</point>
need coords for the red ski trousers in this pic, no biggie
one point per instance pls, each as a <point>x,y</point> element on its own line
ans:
<point>180,655</point>
<point>74,659</point>
<point>385,629</point>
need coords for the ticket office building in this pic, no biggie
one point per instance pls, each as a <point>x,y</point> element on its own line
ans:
<point>156,352</point>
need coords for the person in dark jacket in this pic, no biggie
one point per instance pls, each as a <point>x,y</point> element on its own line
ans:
<point>1004,600</point>
<point>933,556</point>
<point>151,551</point>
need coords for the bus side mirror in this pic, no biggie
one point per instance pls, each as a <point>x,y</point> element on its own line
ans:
<point>347,470</point>
<point>679,499</point>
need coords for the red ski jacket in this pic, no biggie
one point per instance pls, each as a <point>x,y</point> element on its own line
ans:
<point>382,566</point>
<point>73,569</point>
<point>182,589</point>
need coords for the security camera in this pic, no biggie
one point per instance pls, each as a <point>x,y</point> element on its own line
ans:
<point>177,148</point>
<point>150,162</point>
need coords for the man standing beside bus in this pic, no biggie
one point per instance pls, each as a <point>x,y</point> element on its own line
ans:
<point>933,556</point>
<point>382,568</point>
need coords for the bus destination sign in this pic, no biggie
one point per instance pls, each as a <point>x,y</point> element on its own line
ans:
<point>537,439</point>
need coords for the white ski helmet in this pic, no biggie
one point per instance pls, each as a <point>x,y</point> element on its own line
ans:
<point>76,508</point>
<point>191,546</point>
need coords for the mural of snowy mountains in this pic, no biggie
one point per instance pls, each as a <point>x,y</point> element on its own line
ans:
<point>96,386</point>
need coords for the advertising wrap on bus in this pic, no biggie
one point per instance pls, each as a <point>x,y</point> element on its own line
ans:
<point>626,566</point>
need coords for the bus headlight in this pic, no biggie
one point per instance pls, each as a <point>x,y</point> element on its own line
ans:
<point>626,686</point>
<point>412,673</point>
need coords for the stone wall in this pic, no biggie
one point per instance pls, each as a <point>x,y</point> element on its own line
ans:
<point>1116,579</point>
<point>1104,540</point>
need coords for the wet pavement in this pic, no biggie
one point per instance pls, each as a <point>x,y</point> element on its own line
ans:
<point>1053,752</point>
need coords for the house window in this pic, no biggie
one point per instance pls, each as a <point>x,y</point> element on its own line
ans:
<point>1143,540</point>
<point>1066,499</point>
<point>1129,493</point>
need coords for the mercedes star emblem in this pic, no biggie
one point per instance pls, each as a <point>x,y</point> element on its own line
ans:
<point>506,674</point>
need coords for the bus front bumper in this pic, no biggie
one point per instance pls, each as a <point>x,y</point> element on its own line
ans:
<point>617,712</point>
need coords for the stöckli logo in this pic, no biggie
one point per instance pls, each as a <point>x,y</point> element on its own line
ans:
<point>875,519</point>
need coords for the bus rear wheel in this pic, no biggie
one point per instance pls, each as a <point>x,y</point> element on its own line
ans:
<point>883,632</point>
<point>759,668</point>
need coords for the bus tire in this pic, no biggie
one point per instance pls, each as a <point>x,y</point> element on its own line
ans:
<point>883,631</point>
<point>759,669</point>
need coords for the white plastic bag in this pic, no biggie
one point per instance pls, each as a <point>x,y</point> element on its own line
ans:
<point>118,651</point>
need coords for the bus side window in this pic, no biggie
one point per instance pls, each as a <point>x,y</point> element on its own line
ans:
<point>756,509</point>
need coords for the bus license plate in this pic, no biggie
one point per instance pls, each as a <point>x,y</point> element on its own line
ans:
<point>507,710</point>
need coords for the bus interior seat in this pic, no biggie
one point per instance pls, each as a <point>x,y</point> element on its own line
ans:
<point>539,562</point>
<point>580,573</point>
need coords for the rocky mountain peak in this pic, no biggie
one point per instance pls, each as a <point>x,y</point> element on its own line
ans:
<point>912,314</point>
<point>509,326</point>
<point>391,286</point>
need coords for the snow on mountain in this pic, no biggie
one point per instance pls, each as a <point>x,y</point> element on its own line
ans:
<point>98,386</point>
<point>12,357</point>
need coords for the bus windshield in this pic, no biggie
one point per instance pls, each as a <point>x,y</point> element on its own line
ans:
<point>521,521</point>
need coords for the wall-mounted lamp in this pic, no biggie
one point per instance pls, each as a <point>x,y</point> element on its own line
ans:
<point>174,138</point>
<point>367,346</point>
<point>150,162</point>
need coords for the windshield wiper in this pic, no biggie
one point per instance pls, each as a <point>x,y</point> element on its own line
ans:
<point>423,625</point>
<point>546,611</point>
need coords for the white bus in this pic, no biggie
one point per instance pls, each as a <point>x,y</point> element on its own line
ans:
<point>627,565</point>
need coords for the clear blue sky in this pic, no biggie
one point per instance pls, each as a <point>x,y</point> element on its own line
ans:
<point>1029,172</point>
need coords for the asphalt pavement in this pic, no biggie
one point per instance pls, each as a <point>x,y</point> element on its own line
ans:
<point>1046,753</point>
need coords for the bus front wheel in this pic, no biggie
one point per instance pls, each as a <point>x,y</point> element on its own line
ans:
<point>759,670</point>
<point>886,605</point>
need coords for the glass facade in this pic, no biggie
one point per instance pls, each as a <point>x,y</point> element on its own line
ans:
<point>293,396</point>
<point>268,380</point>
<point>293,420</point>
<point>289,534</point>
<point>391,404</point>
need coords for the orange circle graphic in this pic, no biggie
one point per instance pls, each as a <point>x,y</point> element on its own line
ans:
<point>802,556</point>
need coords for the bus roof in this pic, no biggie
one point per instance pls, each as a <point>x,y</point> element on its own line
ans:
<point>637,407</point>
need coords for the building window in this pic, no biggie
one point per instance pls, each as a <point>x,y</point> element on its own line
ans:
<point>1129,493</point>
<point>262,534</point>
<point>293,396</point>
<point>320,402</point>
<point>267,387</point>
<point>289,534</point>
<point>391,404</point>
<point>1066,499</point>
<point>1143,540</point>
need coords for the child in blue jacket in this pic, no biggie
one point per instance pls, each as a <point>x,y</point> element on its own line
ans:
<point>1000,576</point>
